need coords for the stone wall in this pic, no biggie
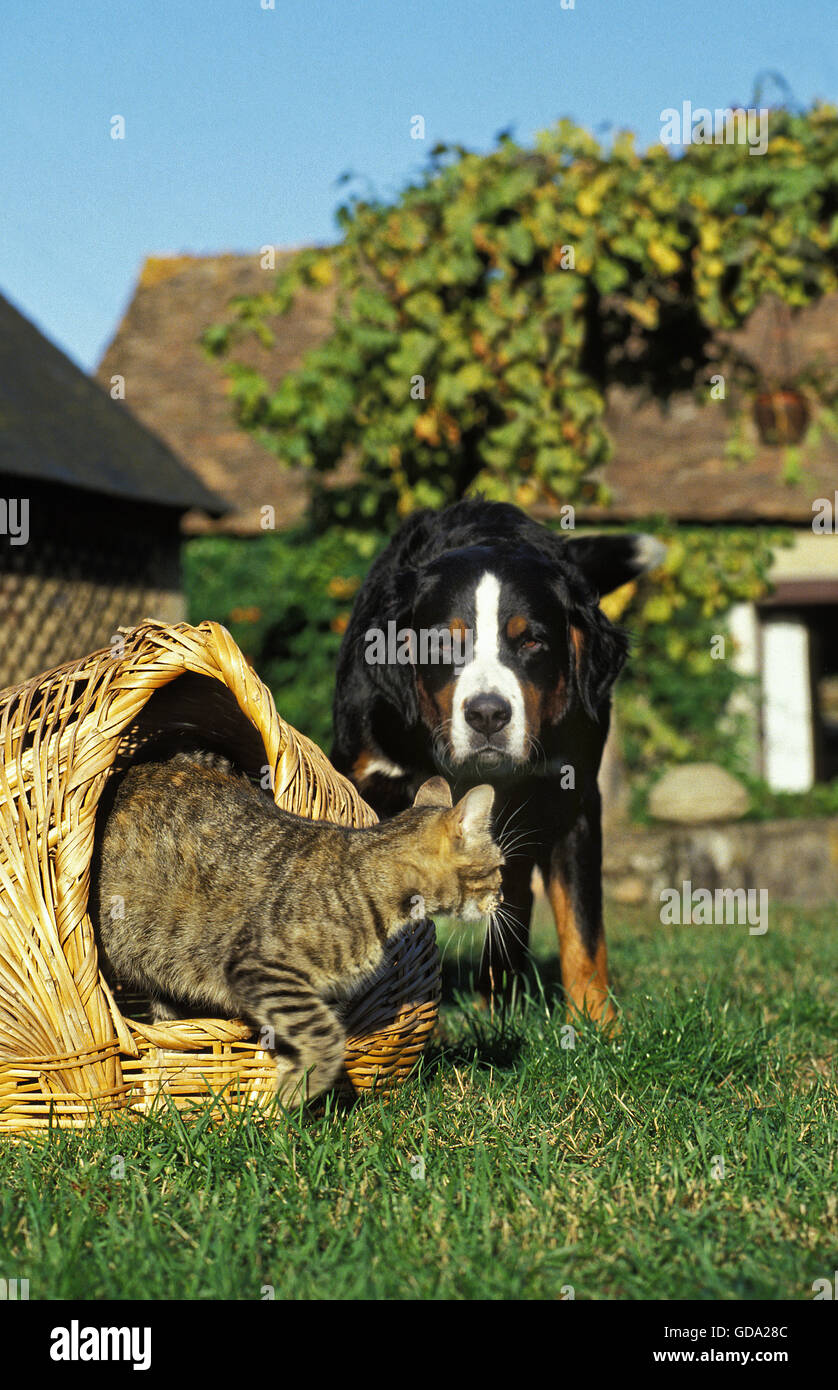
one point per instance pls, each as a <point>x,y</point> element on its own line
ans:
<point>794,860</point>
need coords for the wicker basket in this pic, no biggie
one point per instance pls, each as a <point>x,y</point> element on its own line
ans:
<point>67,1051</point>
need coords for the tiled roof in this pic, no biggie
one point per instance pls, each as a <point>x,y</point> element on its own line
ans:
<point>672,460</point>
<point>184,396</point>
<point>58,425</point>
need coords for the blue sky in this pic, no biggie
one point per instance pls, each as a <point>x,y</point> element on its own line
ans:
<point>240,119</point>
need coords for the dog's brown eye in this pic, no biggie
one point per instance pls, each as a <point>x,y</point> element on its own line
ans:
<point>531,644</point>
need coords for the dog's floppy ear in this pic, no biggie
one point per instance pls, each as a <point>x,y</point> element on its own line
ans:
<point>392,613</point>
<point>598,652</point>
<point>607,562</point>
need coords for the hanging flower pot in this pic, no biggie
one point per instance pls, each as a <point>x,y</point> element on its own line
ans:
<point>782,416</point>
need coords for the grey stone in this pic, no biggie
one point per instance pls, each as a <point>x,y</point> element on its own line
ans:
<point>630,891</point>
<point>697,793</point>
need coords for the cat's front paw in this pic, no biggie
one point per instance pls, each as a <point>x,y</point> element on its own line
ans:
<point>293,1084</point>
<point>165,1010</point>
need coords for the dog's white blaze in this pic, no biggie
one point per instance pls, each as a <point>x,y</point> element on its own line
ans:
<point>486,674</point>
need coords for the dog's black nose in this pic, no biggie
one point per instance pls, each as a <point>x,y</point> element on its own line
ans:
<point>487,713</point>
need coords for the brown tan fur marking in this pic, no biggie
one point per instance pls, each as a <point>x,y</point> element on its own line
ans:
<point>359,767</point>
<point>585,978</point>
<point>577,638</point>
<point>436,707</point>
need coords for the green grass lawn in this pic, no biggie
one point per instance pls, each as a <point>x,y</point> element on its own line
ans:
<point>547,1168</point>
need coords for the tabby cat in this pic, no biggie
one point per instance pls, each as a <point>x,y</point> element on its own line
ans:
<point>212,900</point>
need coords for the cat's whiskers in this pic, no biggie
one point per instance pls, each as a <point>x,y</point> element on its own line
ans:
<point>502,832</point>
<point>512,849</point>
<point>536,748</point>
<point>494,938</point>
<point>439,745</point>
<point>507,823</point>
<point>501,923</point>
<point>504,918</point>
<point>457,936</point>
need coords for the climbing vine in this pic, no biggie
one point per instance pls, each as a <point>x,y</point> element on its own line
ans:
<point>482,316</point>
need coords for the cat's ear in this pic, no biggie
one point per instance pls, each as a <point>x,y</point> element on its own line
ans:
<point>434,792</point>
<point>474,812</point>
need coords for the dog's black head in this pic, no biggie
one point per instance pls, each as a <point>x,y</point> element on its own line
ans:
<point>504,648</point>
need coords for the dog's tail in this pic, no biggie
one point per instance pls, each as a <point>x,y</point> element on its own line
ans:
<point>608,562</point>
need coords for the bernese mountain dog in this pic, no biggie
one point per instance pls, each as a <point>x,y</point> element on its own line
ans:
<point>477,649</point>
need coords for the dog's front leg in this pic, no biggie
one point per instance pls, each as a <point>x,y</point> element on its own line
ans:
<point>573,878</point>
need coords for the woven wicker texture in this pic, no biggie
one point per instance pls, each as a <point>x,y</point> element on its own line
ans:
<point>66,1048</point>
